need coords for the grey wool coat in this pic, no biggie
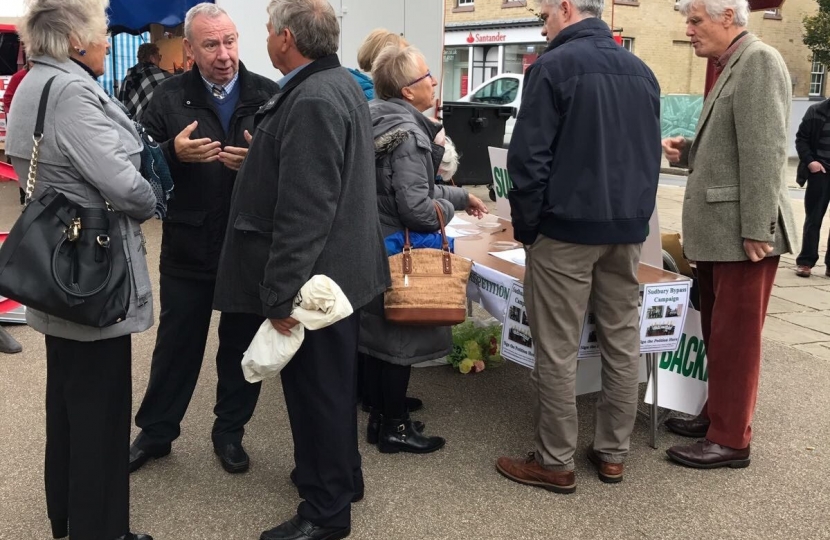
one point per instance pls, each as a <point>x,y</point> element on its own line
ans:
<point>304,200</point>
<point>406,162</point>
<point>737,186</point>
<point>90,152</point>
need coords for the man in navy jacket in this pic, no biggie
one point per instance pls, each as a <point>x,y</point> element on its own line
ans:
<point>585,161</point>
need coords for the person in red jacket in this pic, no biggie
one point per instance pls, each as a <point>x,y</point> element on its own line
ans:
<point>14,82</point>
<point>8,344</point>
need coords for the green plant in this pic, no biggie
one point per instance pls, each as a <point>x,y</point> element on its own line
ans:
<point>476,346</point>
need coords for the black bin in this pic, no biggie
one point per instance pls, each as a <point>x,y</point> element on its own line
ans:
<point>473,127</point>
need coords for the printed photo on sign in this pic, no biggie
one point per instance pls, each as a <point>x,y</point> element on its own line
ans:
<point>588,343</point>
<point>517,342</point>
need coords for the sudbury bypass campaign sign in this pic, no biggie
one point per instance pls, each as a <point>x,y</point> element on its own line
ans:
<point>663,316</point>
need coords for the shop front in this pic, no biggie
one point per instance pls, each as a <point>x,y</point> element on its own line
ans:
<point>475,53</point>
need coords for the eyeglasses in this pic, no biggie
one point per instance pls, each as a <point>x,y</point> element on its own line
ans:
<point>419,79</point>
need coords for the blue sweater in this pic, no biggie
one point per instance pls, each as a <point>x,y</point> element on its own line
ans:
<point>225,107</point>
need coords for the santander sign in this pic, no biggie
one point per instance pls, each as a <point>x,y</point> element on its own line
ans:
<point>498,37</point>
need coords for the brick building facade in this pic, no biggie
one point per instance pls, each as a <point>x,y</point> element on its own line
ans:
<point>487,37</point>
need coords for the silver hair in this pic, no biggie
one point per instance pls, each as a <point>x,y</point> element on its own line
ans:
<point>587,7</point>
<point>211,11</point>
<point>48,26</point>
<point>313,24</point>
<point>394,69</point>
<point>716,9</point>
<point>449,163</point>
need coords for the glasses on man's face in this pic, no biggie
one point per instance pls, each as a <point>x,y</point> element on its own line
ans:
<point>419,79</point>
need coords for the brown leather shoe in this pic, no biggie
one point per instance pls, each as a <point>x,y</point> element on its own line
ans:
<point>610,473</point>
<point>707,455</point>
<point>802,271</point>
<point>528,471</point>
<point>692,427</point>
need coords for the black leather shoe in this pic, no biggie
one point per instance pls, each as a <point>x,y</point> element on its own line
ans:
<point>357,496</point>
<point>708,455</point>
<point>135,536</point>
<point>412,405</point>
<point>399,435</point>
<point>139,456</point>
<point>375,421</point>
<point>233,457</point>
<point>298,528</point>
<point>8,344</point>
<point>692,427</point>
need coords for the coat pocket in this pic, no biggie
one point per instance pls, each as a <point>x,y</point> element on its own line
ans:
<point>253,235</point>
<point>723,194</point>
<point>185,238</point>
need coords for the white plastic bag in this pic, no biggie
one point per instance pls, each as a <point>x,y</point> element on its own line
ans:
<point>320,303</point>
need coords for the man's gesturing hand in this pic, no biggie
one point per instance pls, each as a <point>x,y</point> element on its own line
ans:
<point>195,151</point>
<point>673,147</point>
<point>233,156</point>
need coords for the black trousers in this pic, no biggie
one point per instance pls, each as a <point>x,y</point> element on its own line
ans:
<point>816,200</point>
<point>186,308</point>
<point>385,386</point>
<point>88,405</point>
<point>319,388</point>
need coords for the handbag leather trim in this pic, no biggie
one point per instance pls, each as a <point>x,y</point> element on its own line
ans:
<point>426,316</point>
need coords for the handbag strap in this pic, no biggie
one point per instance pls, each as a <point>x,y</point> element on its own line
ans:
<point>37,137</point>
<point>445,245</point>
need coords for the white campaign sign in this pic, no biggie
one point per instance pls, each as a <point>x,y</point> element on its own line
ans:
<point>491,289</point>
<point>501,180</point>
<point>663,315</point>
<point>684,373</point>
<point>516,343</point>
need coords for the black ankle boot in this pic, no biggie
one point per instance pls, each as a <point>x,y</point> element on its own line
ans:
<point>373,426</point>
<point>400,435</point>
<point>375,422</point>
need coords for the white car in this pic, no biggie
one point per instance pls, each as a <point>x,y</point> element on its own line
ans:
<point>505,89</point>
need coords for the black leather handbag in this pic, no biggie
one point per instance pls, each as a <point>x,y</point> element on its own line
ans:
<point>65,259</point>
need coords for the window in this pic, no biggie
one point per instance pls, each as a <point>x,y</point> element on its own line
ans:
<point>502,91</point>
<point>817,79</point>
<point>628,44</point>
<point>774,14</point>
<point>465,3</point>
<point>462,6</point>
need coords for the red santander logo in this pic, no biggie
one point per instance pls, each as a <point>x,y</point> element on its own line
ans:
<point>470,38</point>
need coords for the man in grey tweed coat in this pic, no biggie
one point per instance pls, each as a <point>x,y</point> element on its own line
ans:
<point>737,220</point>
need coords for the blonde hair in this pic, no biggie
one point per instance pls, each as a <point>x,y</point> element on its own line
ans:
<point>395,68</point>
<point>375,42</point>
<point>48,26</point>
<point>449,163</point>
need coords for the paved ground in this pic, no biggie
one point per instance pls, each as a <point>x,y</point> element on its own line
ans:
<point>456,493</point>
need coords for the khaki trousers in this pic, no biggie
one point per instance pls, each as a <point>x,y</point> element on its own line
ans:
<point>560,281</point>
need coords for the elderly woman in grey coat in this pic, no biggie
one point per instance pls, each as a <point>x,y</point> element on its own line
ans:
<point>90,152</point>
<point>406,161</point>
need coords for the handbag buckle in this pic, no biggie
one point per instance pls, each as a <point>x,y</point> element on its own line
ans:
<point>74,230</point>
<point>103,241</point>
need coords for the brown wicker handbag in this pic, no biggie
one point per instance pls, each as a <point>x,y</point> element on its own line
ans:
<point>429,286</point>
